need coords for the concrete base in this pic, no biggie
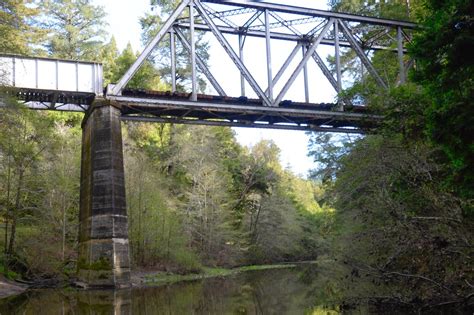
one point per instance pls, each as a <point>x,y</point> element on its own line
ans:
<point>103,233</point>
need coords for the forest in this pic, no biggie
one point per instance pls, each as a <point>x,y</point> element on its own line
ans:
<point>388,215</point>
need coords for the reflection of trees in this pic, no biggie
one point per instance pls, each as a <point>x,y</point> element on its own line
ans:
<point>277,291</point>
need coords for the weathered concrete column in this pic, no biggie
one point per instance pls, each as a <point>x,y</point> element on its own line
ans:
<point>103,232</point>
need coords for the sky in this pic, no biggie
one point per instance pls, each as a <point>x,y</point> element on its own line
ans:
<point>123,23</point>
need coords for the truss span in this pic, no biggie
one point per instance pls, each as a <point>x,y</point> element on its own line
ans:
<point>52,84</point>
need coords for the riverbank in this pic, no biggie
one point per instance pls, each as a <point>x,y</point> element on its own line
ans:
<point>152,278</point>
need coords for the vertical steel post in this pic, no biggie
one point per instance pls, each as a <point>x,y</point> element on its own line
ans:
<point>338,57</point>
<point>241,56</point>
<point>57,75</point>
<point>400,54</point>
<point>269,55</point>
<point>36,73</point>
<point>193,52</point>
<point>173,60</point>
<point>305,75</point>
<point>94,78</point>
<point>77,77</point>
<point>14,71</point>
<point>308,54</point>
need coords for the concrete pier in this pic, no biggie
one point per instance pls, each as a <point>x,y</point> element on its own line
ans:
<point>103,232</point>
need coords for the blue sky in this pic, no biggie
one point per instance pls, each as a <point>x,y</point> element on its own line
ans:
<point>123,23</point>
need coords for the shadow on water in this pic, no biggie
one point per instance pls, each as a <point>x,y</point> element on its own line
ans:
<point>278,291</point>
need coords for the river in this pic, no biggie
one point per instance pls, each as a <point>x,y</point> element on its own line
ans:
<point>275,291</point>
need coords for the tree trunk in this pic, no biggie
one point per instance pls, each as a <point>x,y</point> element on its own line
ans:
<point>7,212</point>
<point>17,207</point>
<point>64,229</point>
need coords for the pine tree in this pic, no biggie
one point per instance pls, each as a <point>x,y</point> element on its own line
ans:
<point>76,28</point>
<point>17,26</point>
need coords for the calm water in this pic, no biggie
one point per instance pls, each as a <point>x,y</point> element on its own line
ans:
<point>283,291</point>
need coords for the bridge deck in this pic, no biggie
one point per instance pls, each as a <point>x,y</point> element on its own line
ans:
<point>241,112</point>
<point>167,107</point>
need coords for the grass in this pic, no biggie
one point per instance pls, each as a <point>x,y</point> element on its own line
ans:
<point>169,278</point>
<point>11,275</point>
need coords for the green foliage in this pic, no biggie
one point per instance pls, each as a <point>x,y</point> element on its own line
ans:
<point>17,26</point>
<point>227,204</point>
<point>108,56</point>
<point>404,111</point>
<point>76,28</point>
<point>6,272</point>
<point>396,222</point>
<point>401,225</point>
<point>146,78</point>
<point>326,150</point>
<point>399,10</point>
<point>445,68</point>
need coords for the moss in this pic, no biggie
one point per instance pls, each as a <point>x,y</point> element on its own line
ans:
<point>11,275</point>
<point>100,264</point>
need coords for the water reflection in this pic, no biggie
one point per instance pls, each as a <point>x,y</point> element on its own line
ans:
<point>282,291</point>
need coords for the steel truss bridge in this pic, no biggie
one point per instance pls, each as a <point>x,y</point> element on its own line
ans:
<point>53,84</point>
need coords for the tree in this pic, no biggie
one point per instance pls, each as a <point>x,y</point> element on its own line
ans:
<point>206,192</point>
<point>445,68</point>
<point>18,29</point>
<point>326,150</point>
<point>385,62</point>
<point>76,28</point>
<point>24,138</point>
<point>147,76</point>
<point>108,56</point>
<point>398,227</point>
<point>155,222</point>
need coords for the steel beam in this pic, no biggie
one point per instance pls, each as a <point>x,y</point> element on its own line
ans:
<point>224,107</point>
<point>327,73</point>
<point>286,64</point>
<point>173,60</point>
<point>269,56</point>
<point>241,56</point>
<point>202,65</point>
<point>252,19</point>
<point>193,52</point>
<point>216,14</point>
<point>227,123</point>
<point>400,54</point>
<point>285,23</point>
<point>338,58</point>
<point>314,12</point>
<point>117,89</point>
<point>305,77</point>
<point>301,65</point>
<point>248,76</point>
<point>360,53</point>
<point>277,35</point>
